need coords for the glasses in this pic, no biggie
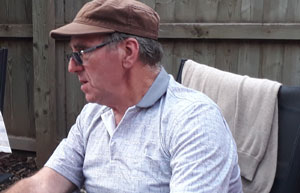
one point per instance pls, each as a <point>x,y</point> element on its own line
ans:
<point>77,55</point>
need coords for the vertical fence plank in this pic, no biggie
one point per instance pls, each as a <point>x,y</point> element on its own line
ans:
<point>275,10</point>
<point>20,73</point>
<point>205,52</point>
<point>44,77</point>
<point>249,59</point>
<point>227,56</point>
<point>252,10</point>
<point>207,11</point>
<point>182,49</point>
<point>293,13</point>
<point>185,11</point>
<point>291,64</point>
<point>229,11</point>
<point>272,62</point>
<point>250,52</point>
<point>15,11</point>
<point>71,8</point>
<point>60,66</point>
<point>167,60</point>
<point>161,6</point>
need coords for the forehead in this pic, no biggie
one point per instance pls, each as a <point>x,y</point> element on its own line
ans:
<point>85,40</point>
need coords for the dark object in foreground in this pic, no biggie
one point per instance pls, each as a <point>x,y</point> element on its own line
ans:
<point>15,166</point>
<point>5,177</point>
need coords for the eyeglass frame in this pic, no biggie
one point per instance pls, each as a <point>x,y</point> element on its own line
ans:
<point>76,56</point>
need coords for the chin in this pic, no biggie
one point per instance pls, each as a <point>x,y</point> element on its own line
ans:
<point>89,99</point>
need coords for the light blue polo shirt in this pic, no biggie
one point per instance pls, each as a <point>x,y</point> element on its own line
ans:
<point>174,140</point>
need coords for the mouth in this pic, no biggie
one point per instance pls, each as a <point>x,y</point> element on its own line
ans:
<point>82,82</point>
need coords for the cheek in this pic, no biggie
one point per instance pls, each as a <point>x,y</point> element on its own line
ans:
<point>94,78</point>
<point>107,72</point>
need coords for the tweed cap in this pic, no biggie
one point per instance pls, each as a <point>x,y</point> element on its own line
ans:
<point>107,16</point>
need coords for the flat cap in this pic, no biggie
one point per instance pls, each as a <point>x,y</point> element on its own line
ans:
<point>107,16</point>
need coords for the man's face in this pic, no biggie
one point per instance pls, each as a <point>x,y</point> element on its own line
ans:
<point>101,72</point>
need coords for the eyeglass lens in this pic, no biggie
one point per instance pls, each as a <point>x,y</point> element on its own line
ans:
<point>76,57</point>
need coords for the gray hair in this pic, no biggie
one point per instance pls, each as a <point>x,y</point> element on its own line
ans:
<point>150,51</point>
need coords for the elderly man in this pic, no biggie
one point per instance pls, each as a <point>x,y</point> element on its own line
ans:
<point>141,131</point>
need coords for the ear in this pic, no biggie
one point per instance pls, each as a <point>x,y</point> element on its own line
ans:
<point>131,48</point>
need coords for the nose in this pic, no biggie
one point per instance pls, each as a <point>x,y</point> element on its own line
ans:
<point>73,67</point>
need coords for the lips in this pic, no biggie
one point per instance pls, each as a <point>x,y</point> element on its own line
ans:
<point>82,81</point>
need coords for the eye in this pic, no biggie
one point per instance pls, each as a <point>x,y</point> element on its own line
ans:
<point>78,48</point>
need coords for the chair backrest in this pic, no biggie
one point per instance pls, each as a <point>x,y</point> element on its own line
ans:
<point>287,177</point>
<point>3,63</point>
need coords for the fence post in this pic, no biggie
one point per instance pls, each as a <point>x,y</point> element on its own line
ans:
<point>43,19</point>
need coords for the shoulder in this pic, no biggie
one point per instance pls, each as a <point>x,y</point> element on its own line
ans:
<point>188,110</point>
<point>182,100</point>
<point>197,120</point>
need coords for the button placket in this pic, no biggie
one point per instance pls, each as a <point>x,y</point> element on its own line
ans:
<point>120,128</point>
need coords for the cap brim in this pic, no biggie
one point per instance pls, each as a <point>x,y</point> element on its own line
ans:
<point>76,29</point>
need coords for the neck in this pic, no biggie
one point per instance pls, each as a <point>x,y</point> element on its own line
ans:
<point>137,82</point>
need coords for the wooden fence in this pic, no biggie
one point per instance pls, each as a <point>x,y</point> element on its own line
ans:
<point>259,38</point>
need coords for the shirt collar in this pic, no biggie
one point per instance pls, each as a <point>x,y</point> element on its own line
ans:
<point>156,91</point>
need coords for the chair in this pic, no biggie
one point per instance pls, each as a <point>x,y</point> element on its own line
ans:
<point>287,177</point>
<point>3,61</point>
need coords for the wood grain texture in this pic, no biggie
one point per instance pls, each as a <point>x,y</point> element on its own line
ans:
<point>22,143</point>
<point>16,12</point>
<point>18,103</point>
<point>291,64</point>
<point>277,61</point>
<point>16,30</point>
<point>275,31</point>
<point>185,11</point>
<point>249,58</point>
<point>61,68</point>
<point>71,7</point>
<point>227,56</point>
<point>275,11</point>
<point>252,11</point>
<point>293,13</point>
<point>205,52</point>
<point>44,78</point>
<point>272,61</point>
<point>165,9</point>
<point>206,11</point>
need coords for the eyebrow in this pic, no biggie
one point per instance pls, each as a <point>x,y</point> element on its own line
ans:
<point>78,46</point>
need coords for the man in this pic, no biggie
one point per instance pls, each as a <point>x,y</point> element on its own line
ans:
<point>141,131</point>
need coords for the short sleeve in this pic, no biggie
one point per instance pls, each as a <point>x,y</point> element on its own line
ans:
<point>203,153</point>
<point>68,157</point>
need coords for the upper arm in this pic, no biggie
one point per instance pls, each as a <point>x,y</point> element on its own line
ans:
<point>202,151</point>
<point>67,159</point>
